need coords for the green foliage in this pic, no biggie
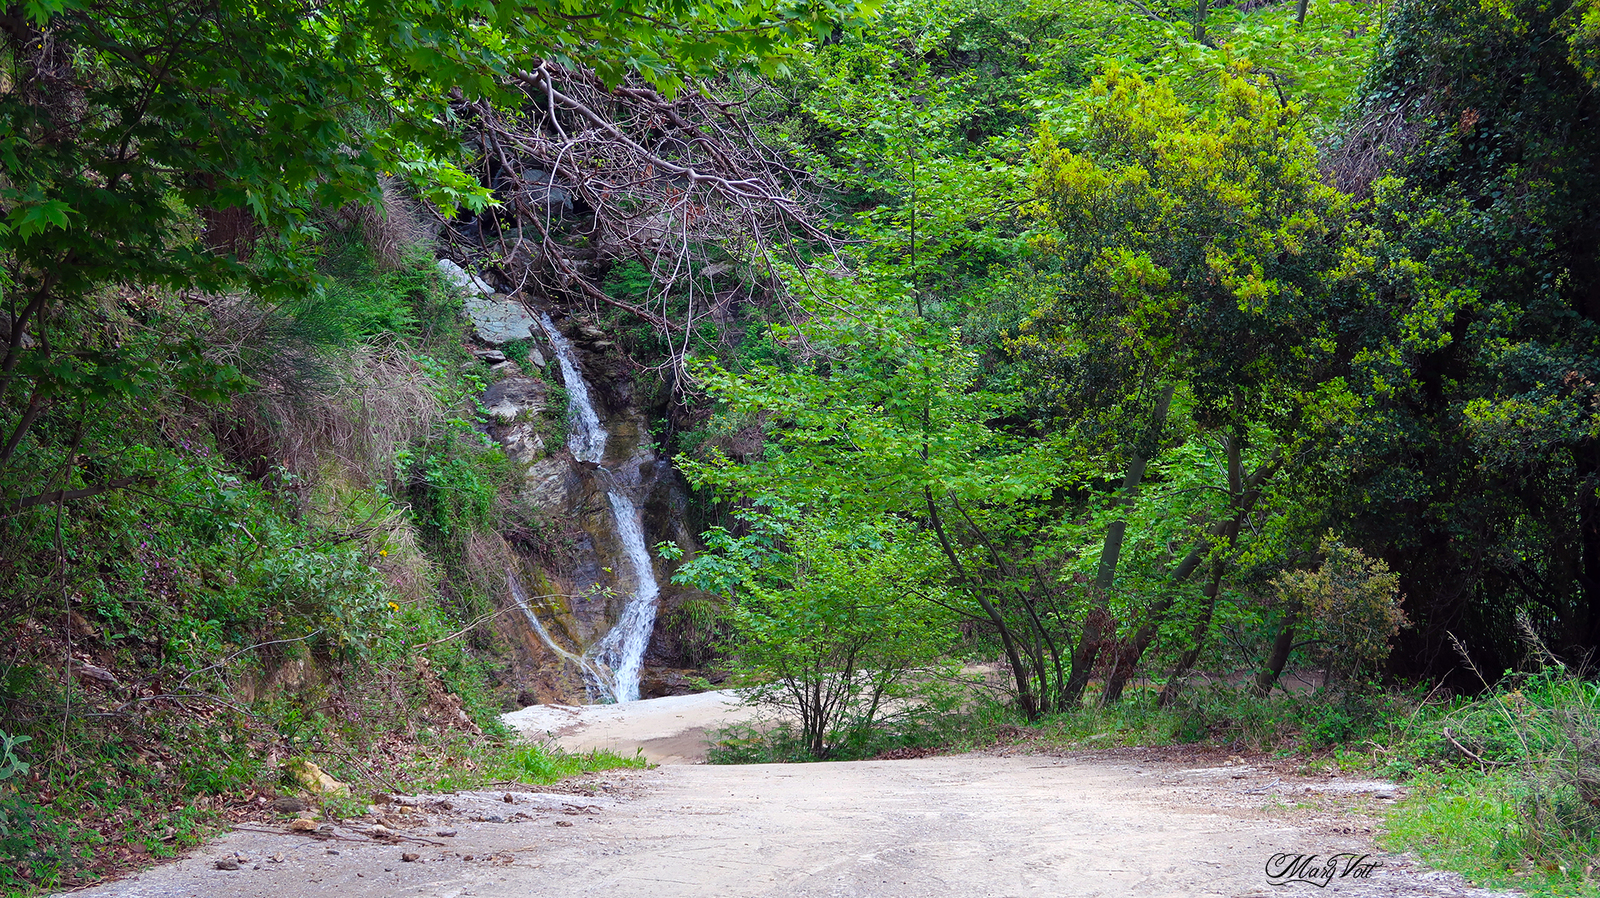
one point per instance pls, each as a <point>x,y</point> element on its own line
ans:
<point>628,280</point>
<point>10,764</point>
<point>830,621</point>
<point>18,817</point>
<point>1317,64</point>
<point>1508,793</point>
<point>1466,290</point>
<point>248,598</point>
<point>454,488</point>
<point>195,149</point>
<point>1351,602</point>
<point>357,302</point>
<point>700,627</point>
<point>1188,245</point>
<point>328,592</point>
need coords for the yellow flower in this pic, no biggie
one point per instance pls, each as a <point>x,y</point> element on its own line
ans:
<point>393,607</point>
<point>383,551</point>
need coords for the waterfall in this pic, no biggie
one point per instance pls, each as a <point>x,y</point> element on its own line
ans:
<point>587,439</point>
<point>612,665</point>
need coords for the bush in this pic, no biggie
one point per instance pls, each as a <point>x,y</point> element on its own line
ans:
<point>829,621</point>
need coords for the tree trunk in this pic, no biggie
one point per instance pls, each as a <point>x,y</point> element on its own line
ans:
<point>1019,670</point>
<point>1300,12</point>
<point>1128,659</point>
<point>1245,492</point>
<point>1267,677</point>
<point>1099,620</point>
<point>1197,640</point>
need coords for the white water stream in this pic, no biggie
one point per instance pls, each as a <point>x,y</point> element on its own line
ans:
<point>611,666</point>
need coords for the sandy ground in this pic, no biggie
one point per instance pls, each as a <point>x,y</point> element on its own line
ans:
<point>1120,823</point>
<point>668,730</point>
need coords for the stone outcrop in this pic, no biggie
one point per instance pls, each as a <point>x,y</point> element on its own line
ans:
<point>497,318</point>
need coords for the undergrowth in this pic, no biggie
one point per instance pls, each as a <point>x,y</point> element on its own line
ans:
<point>285,579</point>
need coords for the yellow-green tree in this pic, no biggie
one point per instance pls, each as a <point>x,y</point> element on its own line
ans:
<point>1187,250</point>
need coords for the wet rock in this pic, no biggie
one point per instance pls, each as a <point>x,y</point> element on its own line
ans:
<point>228,863</point>
<point>288,805</point>
<point>657,682</point>
<point>445,833</point>
<point>506,400</point>
<point>542,188</point>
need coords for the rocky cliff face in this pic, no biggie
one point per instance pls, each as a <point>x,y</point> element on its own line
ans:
<point>563,550</point>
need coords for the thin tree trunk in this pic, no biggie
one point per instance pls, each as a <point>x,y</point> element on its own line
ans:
<point>1300,12</point>
<point>1099,621</point>
<point>1019,671</point>
<point>1128,662</point>
<point>1197,640</point>
<point>1246,491</point>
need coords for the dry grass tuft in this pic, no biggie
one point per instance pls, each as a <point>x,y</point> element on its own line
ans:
<point>391,230</point>
<point>487,558</point>
<point>356,406</point>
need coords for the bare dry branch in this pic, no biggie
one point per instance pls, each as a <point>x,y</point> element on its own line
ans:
<point>589,176</point>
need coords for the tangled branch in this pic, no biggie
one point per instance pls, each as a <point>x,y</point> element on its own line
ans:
<point>589,176</point>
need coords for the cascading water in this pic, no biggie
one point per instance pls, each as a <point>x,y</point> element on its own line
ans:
<point>620,653</point>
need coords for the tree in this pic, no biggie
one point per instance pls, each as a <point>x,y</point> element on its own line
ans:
<point>830,620</point>
<point>1349,606</point>
<point>880,418</point>
<point>1469,303</point>
<point>1186,247</point>
<point>189,147</point>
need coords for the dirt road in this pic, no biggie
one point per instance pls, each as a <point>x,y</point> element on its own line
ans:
<point>1122,824</point>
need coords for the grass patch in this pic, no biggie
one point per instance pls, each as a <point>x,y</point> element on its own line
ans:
<point>464,763</point>
<point>1463,821</point>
